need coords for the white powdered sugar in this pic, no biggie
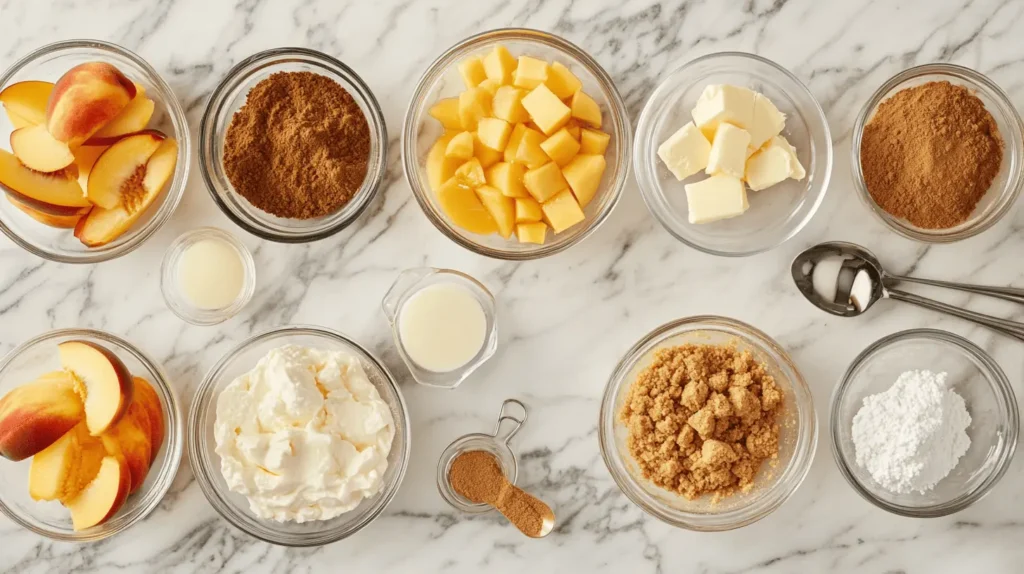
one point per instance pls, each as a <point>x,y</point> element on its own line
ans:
<point>912,435</point>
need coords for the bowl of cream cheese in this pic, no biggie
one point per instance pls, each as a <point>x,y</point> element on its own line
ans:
<point>299,436</point>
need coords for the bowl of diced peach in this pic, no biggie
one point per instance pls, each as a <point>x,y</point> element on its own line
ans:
<point>516,144</point>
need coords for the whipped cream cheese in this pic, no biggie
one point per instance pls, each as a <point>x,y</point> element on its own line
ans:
<point>304,435</point>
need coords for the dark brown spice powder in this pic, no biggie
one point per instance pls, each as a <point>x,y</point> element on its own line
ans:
<point>299,147</point>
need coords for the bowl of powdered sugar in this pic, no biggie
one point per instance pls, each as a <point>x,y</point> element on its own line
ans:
<point>924,423</point>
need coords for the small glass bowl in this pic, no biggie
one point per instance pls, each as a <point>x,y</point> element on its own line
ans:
<point>974,375</point>
<point>49,63</point>
<point>776,481</point>
<point>776,214</point>
<point>410,282</point>
<point>496,443</point>
<point>171,288</point>
<point>442,80</point>
<point>234,507</point>
<point>231,94</point>
<point>1005,187</point>
<point>39,355</point>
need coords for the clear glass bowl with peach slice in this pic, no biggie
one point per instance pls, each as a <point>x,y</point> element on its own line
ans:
<point>94,151</point>
<point>90,435</point>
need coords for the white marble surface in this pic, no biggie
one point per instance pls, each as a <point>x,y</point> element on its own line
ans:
<point>565,320</point>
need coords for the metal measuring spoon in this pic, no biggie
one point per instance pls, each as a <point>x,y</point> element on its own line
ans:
<point>859,258</point>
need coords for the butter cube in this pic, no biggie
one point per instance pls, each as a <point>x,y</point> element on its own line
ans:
<point>767,122</point>
<point>685,152</point>
<point>530,73</point>
<point>562,81</point>
<point>446,111</point>
<point>528,210</point>
<point>501,208</point>
<point>490,86</point>
<point>562,211</point>
<point>474,104</point>
<point>595,142</point>
<point>486,155</point>
<point>547,111</point>
<point>545,182</point>
<point>460,146</point>
<point>531,232</point>
<point>773,164</point>
<point>508,178</point>
<point>583,174</point>
<point>508,105</point>
<point>500,65</point>
<point>472,71</point>
<point>717,197</point>
<point>494,133</point>
<point>513,142</point>
<point>728,151</point>
<point>471,173</point>
<point>561,147</point>
<point>530,152</point>
<point>720,103</point>
<point>586,109</point>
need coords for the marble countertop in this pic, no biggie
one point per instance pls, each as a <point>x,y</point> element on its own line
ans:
<point>566,320</point>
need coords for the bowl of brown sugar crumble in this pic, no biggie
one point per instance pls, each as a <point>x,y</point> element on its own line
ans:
<point>293,146</point>
<point>707,424</point>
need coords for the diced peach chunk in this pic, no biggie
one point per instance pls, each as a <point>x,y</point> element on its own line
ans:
<point>586,109</point>
<point>584,174</point>
<point>500,65</point>
<point>474,105</point>
<point>501,208</point>
<point>494,133</point>
<point>460,146</point>
<point>446,111</point>
<point>562,81</point>
<point>593,142</point>
<point>529,151</point>
<point>462,205</point>
<point>562,211</point>
<point>530,73</point>
<point>560,147</point>
<point>547,111</point>
<point>508,178</point>
<point>532,232</point>
<point>512,148</point>
<point>545,182</point>
<point>471,173</point>
<point>508,105</point>
<point>472,71</point>
<point>528,210</point>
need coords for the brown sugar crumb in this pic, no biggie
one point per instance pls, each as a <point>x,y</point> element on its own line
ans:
<point>702,420</point>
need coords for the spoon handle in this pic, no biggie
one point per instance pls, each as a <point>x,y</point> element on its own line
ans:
<point>1013,294</point>
<point>1003,326</point>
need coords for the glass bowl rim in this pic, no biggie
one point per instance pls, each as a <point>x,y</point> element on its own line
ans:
<point>173,443</point>
<point>172,196</point>
<point>1000,386</point>
<point>239,73</point>
<point>1013,144</point>
<point>203,395</point>
<point>644,132</point>
<point>440,65</point>
<point>792,475</point>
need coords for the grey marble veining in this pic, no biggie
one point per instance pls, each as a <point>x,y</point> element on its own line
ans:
<point>566,320</point>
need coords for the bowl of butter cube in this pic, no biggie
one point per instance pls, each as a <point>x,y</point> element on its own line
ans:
<point>732,154</point>
<point>516,144</point>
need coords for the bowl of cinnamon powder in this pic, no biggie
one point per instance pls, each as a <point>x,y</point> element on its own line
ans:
<point>293,145</point>
<point>937,153</point>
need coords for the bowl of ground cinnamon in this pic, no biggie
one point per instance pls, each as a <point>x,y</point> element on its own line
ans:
<point>293,145</point>
<point>937,153</point>
<point>707,424</point>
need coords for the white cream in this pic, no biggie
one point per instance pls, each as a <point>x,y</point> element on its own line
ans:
<point>304,435</point>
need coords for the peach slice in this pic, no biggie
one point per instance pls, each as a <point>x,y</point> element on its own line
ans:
<point>103,497</point>
<point>84,99</point>
<point>39,151</point>
<point>36,415</point>
<point>129,438</point>
<point>27,101</point>
<point>106,383</point>
<point>121,168</point>
<point>46,192</point>
<point>148,398</point>
<point>102,226</point>
<point>64,468</point>
<point>86,157</point>
<point>134,118</point>
<point>58,221</point>
<point>17,121</point>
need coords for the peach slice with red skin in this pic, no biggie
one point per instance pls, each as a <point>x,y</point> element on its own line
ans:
<point>26,102</point>
<point>84,99</point>
<point>39,151</point>
<point>106,384</point>
<point>66,467</point>
<point>102,226</point>
<point>100,500</point>
<point>148,398</point>
<point>129,438</point>
<point>47,192</point>
<point>57,221</point>
<point>134,118</point>
<point>121,167</point>
<point>36,415</point>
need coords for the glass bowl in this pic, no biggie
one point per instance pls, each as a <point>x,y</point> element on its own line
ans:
<point>776,214</point>
<point>974,376</point>
<point>442,80</point>
<point>49,63</point>
<point>171,289</point>
<point>1005,187</point>
<point>234,507</point>
<point>51,519</point>
<point>231,94</point>
<point>776,481</point>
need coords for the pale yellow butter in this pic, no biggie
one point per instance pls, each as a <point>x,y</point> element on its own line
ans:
<point>717,197</point>
<point>722,103</point>
<point>728,151</point>
<point>773,164</point>
<point>767,123</point>
<point>685,152</point>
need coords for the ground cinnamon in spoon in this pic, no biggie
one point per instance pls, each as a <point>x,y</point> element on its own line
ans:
<point>299,147</point>
<point>930,153</point>
<point>478,476</point>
